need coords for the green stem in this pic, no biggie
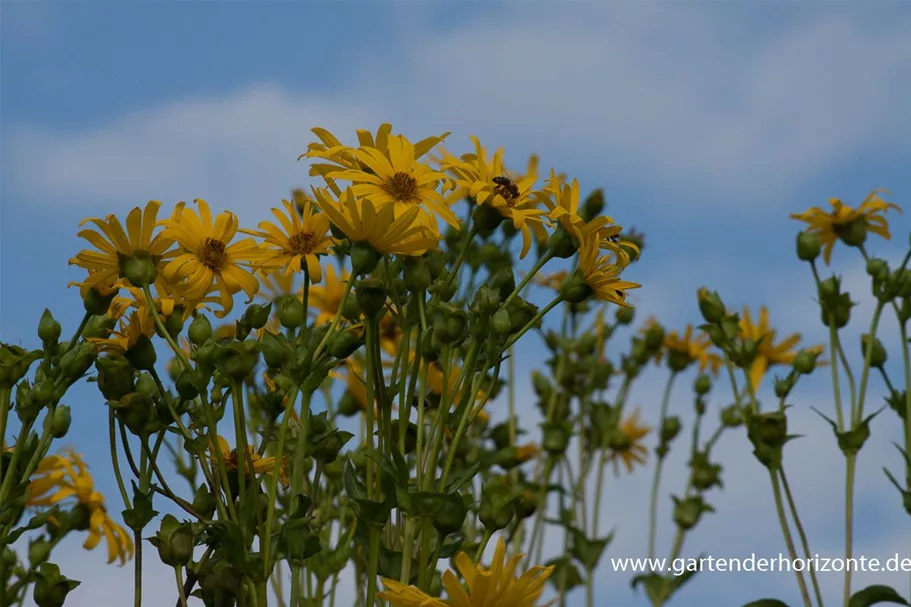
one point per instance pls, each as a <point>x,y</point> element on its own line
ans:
<point>528,277</point>
<point>789,542</point>
<point>485,539</point>
<point>656,481</point>
<point>800,531</point>
<point>373,564</point>
<point>179,578</point>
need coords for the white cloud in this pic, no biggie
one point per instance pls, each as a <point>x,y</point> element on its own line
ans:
<point>612,86</point>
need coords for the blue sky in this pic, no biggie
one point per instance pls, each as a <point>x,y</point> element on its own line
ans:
<point>705,123</point>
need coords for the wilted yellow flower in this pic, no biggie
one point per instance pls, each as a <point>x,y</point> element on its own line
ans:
<point>208,262</point>
<point>496,586</point>
<point>326,298</point>
<point>117,249</point>
<point>60,477</point>
<point>258,463</point>
<point>769,353</point>
<point>488,183</point>
<point>299,241</point>
<point>851,225</point>
<point>603,275</point>
<point>629,448</point>
<point>390,174</point>
<point>131,329</point>
<point>362,221</point>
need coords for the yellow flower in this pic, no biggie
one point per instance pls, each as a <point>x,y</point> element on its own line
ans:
<point>115,247</point>
<point>552,281</point>
<point>105,285</point>
<point>164,297</point>
<point>137,325</point>
<point>770,353</point>
<point>59,477</point>
<point>354,381</point>
<point>259,464</point>
<point>851,225</point>
<point>629,448</point>
<point>496,586</point>
<point>361,221</point>
<point>390,335</point>
<point>527,452</point>
<point>388,173</point>
<point>299,241</point>
<point>274,285</point>
<point>208,262</point>
<point>696,348</point>
<point>326,298</point>
<point>489,183</point>
<point>603,275</point>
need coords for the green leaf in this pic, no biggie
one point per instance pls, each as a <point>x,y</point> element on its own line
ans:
<point>463,477</point>
<point>878,593</point>
<point>142,513</point>
<point>36,521</point>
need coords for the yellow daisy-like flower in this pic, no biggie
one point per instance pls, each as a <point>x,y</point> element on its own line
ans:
<point>255,461</point>
<point>770,353</point>
<point>326,298</point>
<point>60,477</point>
<point>393,176</point>
<point>843,222</point>
<point>694,347</point>
<point>496,586</point>
<point>103,285</point>
<point>165,298</point>
<point>553,281</point>
<point>132,328</point>
<point>489,183</point>
<point>116,247</point>
<point>362,221</point>
<point>629,449</point>
<point>208,262</point>
<point>299,241</point>
<point>330,148</point>
<point>603,275</point>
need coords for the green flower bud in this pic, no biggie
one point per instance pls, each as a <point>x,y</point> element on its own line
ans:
<point>99,326</point>
<point>443,288</point>
<point>711,306</point>
<point>705,474</point>
<point>829,288</point>
<point>292,313</point>
<point>854,233</point>
<point>364,258</point>
<point>430,346</point>
<point>555,437</point>
<point>48,328</point>
<point>417,274</point>
<point>501,323</point>
<point>576,290</point>
<point>784,386</point>
<point>670,428</point>
<point>51,587</point>
<point>451,517</point>
<point>60,422</point>
<point>348,405</point>
<point>200,330</point>
<point>344,344</point>
<point>486,219</point>
<point>654,337</point>
<point>805,361</point>
<point>236,360</point>
<point>768,428</point>
<point>275,350</point>
<point>174,541</point>
<point>497,509</point>
<point>878,269</point>
<point>703,384</point>
<point>434,262</point>
<point>97,304</point>
<point>877,354</point>
<point>592,206</point>
<point>186,385</point>
<point>203,501</point>
<point>140,268</point>
<point>173,323</point>
<point>625,316</point>
<point>808,246</point>
<point>77,361</point>
<point>504,282</point>
<point>371,297</point>
<point>137,412</point>
<point>257,315</point>
<point>562,245</point>
<point>142,354</point>
<point>687,512</point>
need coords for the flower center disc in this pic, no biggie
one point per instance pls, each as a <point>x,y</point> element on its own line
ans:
<point>213,254</point>
<point>402,187</point>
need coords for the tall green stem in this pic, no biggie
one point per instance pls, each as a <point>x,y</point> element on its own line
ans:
<point>656,481</point>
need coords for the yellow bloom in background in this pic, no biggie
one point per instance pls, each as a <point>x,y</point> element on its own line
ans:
<point>274,285</point>
<point>353,377</point>
<point>105,285</point>
<point>131,329</point>
<point>603,275</point>
<point>164,297</point>
<point>489,183</point>
<point>326,298</point>
<point>60,477</point>
<point>628,447</point>
<point>390,335</point>
<point>393,176</point>
<point>843,222</point>
<point>361,221</point>
<point>527,452</point>
<point>115,247</point>
<point>553,281</point>
<point>770,353</point>
<point>258,463</point>
<point>695,347</point>
<point>496,586</point>
<point>208,262</point>
<point>297,243</point>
